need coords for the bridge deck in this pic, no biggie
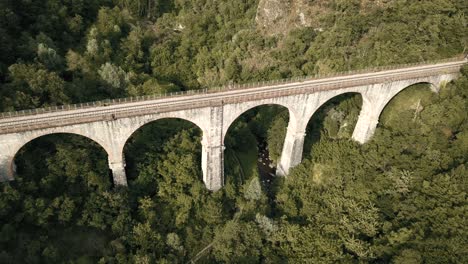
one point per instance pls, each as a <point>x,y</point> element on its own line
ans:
<point>127,107</point>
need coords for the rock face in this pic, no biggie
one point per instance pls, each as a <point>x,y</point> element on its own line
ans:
<point>280,16</point>
<point>275,17</point>
<point>270,12</point>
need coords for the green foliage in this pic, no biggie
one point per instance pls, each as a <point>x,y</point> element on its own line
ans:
<point>254,190</point>
<point>387,202</point>
<point>238,242</point>
<point>35,87</point>
<point>142,8</point>
<point>401,198</point>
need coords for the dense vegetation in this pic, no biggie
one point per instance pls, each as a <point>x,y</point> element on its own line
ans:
<point>401,198</point>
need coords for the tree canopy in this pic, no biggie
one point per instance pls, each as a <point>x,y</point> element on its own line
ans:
<point>400,198</point>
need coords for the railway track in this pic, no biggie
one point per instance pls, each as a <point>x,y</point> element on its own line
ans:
<point>114,109</point>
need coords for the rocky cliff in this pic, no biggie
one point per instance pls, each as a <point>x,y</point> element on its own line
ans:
<point>280,16</point>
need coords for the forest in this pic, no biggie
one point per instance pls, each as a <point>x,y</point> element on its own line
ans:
<point>400,198</point>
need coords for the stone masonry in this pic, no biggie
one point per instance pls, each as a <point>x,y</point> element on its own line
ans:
<point>213,112</point>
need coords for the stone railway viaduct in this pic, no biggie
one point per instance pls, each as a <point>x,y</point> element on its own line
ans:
<point>113,122</point>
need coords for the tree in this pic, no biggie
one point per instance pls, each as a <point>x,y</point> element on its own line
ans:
<point>238,242</point>
<point>33,86</point>
<point>142,8</point>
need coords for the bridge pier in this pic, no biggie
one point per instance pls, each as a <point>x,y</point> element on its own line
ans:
<point>111,126</point>
<point>7,168</point>
<point>213,166</point>
<point>367,123</point>
<point>291,155</point>
<point>118,173</point>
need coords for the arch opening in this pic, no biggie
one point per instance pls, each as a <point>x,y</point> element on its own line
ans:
<point>407,104</point>
<point>333,120</point>
<point>254,142</point>
<point>62,162</point>
<point>64,180</point>
<point>164,155</point>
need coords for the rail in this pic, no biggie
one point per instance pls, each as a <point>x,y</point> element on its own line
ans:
<point>109,102</point>
<point>128,107</point>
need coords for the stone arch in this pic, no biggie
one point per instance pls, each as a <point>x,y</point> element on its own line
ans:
<point>325,100</point>
<point>198,123</point>
<point>153,120</point>
<point>376,97</point>
<point>233,112</point>
<point>434,87</point>
<point>149,121</point>
<point>27,137</point>
<point>322,105</point>
<point>238,112</point>
<point>380,107</point>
